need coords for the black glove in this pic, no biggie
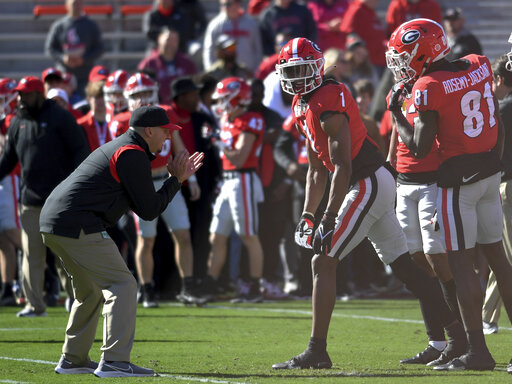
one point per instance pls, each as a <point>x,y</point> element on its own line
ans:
<point>304,230</point>
<point>396,99</point>
<point>322,240</point>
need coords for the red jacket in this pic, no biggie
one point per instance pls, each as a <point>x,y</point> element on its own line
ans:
<point>363,20</point>
<point>400,11</point>
<point>97,134</point>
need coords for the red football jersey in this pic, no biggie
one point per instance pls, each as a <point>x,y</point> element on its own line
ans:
<point>330,97</point>
<point>465,104</point>
<point>230,133</point>
<point>120,125</point>
<point>405,160</point>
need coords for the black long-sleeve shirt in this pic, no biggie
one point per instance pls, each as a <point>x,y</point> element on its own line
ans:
<point>114,178</point>
<point>506,116</point>
<point>49,147</point>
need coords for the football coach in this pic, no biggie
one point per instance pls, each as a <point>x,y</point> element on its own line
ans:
<point>113,179</point>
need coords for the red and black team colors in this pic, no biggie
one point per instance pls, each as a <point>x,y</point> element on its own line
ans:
<point>361,196</point>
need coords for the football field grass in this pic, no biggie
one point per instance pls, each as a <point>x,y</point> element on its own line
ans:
<point>226,343</point>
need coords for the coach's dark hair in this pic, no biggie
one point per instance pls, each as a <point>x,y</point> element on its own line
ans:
<point>499,69</point>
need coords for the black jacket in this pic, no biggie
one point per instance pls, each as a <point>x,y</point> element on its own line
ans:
<point>49,147</point>
<point>506,115</point>
<point>114,178</point>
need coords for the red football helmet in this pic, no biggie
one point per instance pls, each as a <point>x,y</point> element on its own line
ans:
<point>230,93</point>
<point>137,84</point>
<point>509,56</point>
<point>8,102</point>
<point>113,90</point>
<point>300,66</point>
<point>413,47</point>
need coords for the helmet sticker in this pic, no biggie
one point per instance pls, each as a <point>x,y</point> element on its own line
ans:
<point>411,36</point>
<point>316,46</point>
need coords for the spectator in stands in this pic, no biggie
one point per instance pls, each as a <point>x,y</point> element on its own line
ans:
<point>167,63</point>
<point>60,147</point>
<point>232,21</point>
<point>169,15</point>
<point>285,15</point>
<point>69,85</point>
<point>461,41</point>
<point>95,122</point>
<point>52,78</point>
<point>362,19</point>
<point>338,68</point>
<point>185,102</point>
<point>196,15</point>
<point>400,11</point>
<point>227,63</point>
<point>269,64</point>
<point>255,7</point>
<point>74,43</point>
<point>358,57</point>
<point>328,15</point>
<point>502,87</point>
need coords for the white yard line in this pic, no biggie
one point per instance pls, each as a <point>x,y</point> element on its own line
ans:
<point>13,382</point>
<point>176,377</point>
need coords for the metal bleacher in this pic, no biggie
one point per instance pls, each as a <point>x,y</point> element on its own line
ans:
<point>22,34</point>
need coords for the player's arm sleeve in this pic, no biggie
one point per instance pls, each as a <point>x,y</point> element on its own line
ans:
<point>134,172</point>
<point>9,157</point>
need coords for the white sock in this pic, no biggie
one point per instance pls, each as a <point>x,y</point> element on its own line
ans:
<point>439,345</point>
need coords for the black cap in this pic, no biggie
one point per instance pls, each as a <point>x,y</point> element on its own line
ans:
<point>452,14</point>
<point>182,85</point>
<point>151,116</point>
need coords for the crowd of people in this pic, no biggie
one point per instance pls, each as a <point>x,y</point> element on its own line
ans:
<point>290,104</point>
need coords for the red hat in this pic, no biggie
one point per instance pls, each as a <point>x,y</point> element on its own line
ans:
<point>30,84</point>
<point>98,73</point>
<point>52,71</point>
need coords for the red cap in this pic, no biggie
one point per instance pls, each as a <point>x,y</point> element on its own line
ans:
<point>172,127</point>
<point>98,73</point>
<point>52,71</point>
<point>30,84</point>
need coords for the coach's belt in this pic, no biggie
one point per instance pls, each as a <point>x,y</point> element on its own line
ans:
<point>234,174</point>
<point>162,176</point>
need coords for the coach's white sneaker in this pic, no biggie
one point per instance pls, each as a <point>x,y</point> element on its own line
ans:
<point>67,367</point>
<point>121,369</point>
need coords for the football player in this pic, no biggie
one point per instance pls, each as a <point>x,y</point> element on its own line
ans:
<point>141,90</point>
<point>236,207</point>
<point>456,106</point>
<point>361,196</point>
<point>114,96</point>
<point>416,212</point>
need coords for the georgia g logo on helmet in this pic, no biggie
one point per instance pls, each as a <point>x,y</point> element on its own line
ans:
<point>411,36</point>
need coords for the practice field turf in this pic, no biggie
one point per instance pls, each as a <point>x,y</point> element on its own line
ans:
<point>225,343</point>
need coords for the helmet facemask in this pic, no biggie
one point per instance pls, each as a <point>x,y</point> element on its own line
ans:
<point>399,64</point>
<point>299,77</point>
<point>508,66</point>
<point>116,100</point>
<point>5,104</point>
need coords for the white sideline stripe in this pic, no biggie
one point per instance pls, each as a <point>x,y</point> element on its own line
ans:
<point>28,360</point>
<point>309,313</point>
<point>13,382</point>
<point>27,329</point>
<point>201,380</point>
<point>184,378</point>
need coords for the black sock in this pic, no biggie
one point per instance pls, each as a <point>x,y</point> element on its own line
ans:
<point>187,283</point>
<point>317,345</point>
<point>450,296</point>
<point>433,326</point>
<point>255,285</point>
<point>424,287</point>
<point>7,289</point>
<point>476,341</point>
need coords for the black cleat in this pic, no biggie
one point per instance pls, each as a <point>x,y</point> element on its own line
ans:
<point>469,362</point>
<point>305,360</point>
<point>455,348</point>
<point>509,367</point>
<point>424,357</point>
